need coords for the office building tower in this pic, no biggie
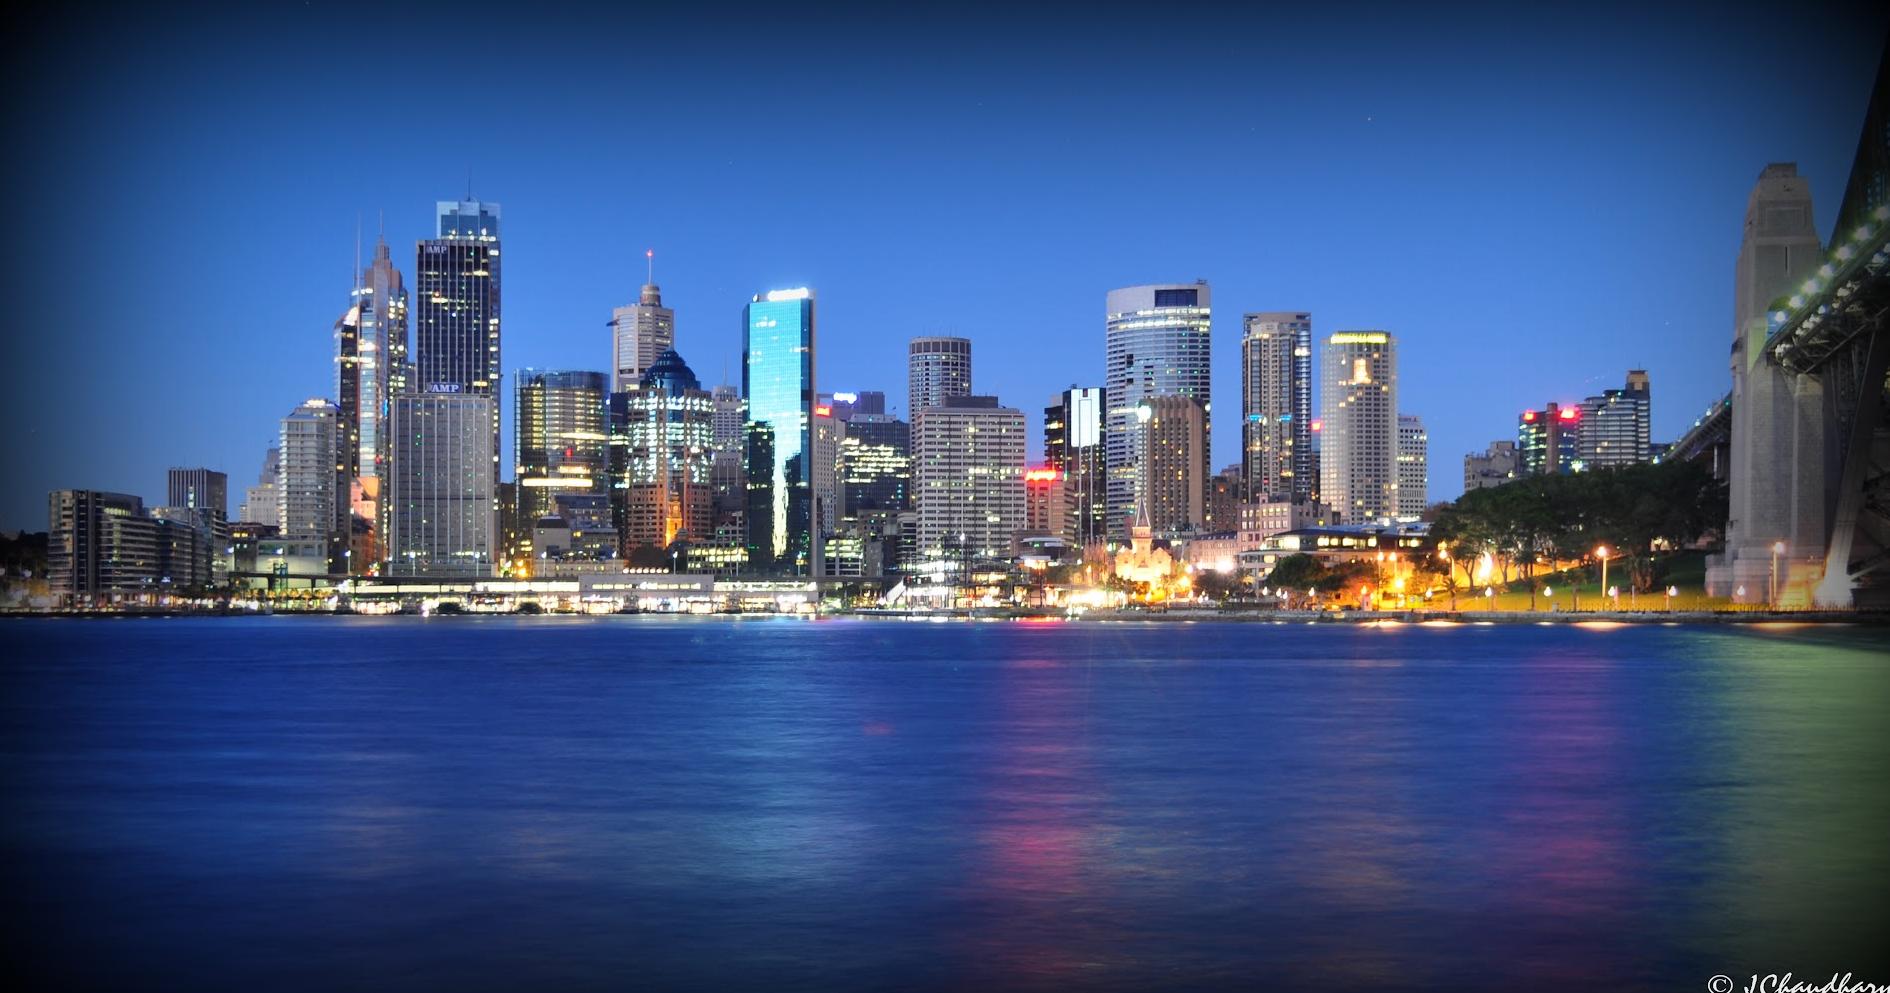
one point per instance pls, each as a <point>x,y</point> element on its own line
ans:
<point>1414,466</point>
<point>559,438</point>
<point>1174,494</point>
<point>968,469</point>
<point>259,501</point>
<point>668,492</point>
<point>1226,491</point>
<point>638,334</point>
<point>1359,411</point>
<point>778,380</point>
<point>457,316</point>
<point>828,434</point>
<point>1276,405</point>
<point>371,367</point>
<point>199,489</point>
<point>729,473</point>
<point>1073,445</point>
<point>1546,440</point>
<point>1156,344</point>
<point>311,484</point>
<point>97,543</point>
<point>1046,505</point>
<point>1615,425</point>
<point>846,406</point>
<point>442,489</point>
<point>875,465</point>
<point>937,368</point>
<point>1493,466</point>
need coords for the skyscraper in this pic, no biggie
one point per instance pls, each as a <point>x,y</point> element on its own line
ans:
<point>1547,440</point>
<point>559,439</point>
<point>371,369</point>
<point>1615,425</point>
<point>1276,405</point>
<point>778,380</point>
<point>442,486</point>
<point>1174,431</point>
<point>1414,466</point>
<point>1156,344</point>
<point>968,467</point>
<point>1073,445</point>
<point>875,465</point>
<point>311,484</point>
<point>669,426</point>
<point>638,334</point>
<point>1359,411</point>
<point>457,330</point>
<point>937,368</point>
<point>729,471</point>
<point>259,501</point>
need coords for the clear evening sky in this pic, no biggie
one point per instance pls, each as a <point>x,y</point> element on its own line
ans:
<point>1532,202</point>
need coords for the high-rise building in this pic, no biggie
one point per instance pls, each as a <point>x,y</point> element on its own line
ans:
<point>1073,445</point>
<point>1156,344</point>
<point>442,486</point>
<point>968,468</point>
<point>457,316</point>
<point>1358,458</point>
<point>199,489</point>
<point>259,501</point>
<point>1174,489</point>
<point>1615,425</point>
<point>371,369</point>
<point>202,496</point>
<point>1414,466</point>
<point>829,432</point>
<point>312,485</point>
<point>729,470</point>
<point>937,369</point>
<point>668,491</point>
<point>875,465</point>
<point>98,543</point>
<point>1494,466</point>
<point>1546,440</point>
<point>559,439</point>
<point>778,380</point>
<point>1046,507</point>
<point>1276,405</point>
<point>638,334</point>
<point>1226,491</point>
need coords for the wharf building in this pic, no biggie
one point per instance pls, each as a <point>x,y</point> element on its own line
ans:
<point>101,546</point>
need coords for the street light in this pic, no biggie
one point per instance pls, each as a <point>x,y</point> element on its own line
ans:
<point>1489,596</point>
<point>1778,549</point>
<point>1672,591</point>
<point>1601,553</point>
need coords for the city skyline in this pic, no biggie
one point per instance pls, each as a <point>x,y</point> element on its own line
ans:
<point>269,344</point>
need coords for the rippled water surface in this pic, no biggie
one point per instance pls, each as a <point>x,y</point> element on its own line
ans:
<point>634,803</point>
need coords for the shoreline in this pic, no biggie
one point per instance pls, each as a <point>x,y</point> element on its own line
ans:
<point>1201,615</point>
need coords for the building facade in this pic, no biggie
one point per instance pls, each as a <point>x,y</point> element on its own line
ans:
<point>968,469</point>
<point>457,319</point>
<point>1073,445</point>
<point>667,492</point>
<point>312,483</point>
<point>778,379</point>
<point>1174,489</point>
<point>1276,405</point>
<point>875,465</point>
<point>1493,466</point>
<point>1547,440</point>
<point>559,439</point>
<point>1156,343</point>
<point>1414,466</point>
<point>442,492</point>
<point>1358,457</point>
<point>638,334</point>
<point>1616,424</point>
<point>937,369</point>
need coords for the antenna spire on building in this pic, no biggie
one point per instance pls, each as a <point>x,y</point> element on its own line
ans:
<point>649,258</point>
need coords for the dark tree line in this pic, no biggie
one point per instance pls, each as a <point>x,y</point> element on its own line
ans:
<point>1638,512</point>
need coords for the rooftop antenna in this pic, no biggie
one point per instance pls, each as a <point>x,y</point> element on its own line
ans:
<point>469,181</point>
<point>649,258</point>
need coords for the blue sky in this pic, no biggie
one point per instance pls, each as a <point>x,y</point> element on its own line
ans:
<point>1532,202</point>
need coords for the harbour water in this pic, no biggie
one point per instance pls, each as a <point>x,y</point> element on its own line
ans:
<point>474,803</point>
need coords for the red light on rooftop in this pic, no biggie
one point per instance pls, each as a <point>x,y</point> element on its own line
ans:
<point>1570,413</point>
<point>1319,425</point>
<point>823,411</point>
<point>1040,475</point>
<point>1528,415</point>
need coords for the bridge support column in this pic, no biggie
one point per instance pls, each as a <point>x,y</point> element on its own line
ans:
<point>1838,585</point>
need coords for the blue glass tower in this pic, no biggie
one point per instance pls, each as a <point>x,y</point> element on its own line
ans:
<point>778,380</point>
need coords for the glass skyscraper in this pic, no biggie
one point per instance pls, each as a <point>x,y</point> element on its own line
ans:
<point>1156,345</point>
<point>778,380</point>
<point>457,325</point>
<point>1276,406</point>
<point>559,439</point>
